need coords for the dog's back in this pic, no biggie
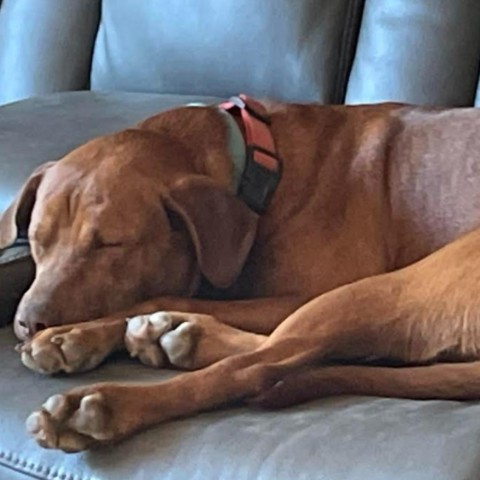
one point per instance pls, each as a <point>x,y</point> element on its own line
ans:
<point>399,178</point>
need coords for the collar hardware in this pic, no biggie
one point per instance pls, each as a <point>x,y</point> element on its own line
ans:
<point>258,183</point>
<point>263,167</point>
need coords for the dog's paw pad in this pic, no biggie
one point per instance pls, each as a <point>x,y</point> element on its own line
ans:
<point>42,425</point>
<point>160,338</point>
<point>90,417</point>
<point>141,337</point>
<point>70,426</point>
<point>42,357</point>
<point>178,344</point>
<point>56,406</point>
<point>74,350</point>
<point>41,428</point>
<point>149,327</point>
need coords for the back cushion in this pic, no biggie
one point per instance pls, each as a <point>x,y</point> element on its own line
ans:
<point>45,46</point>
<point>286,49</point>
<point>417,51</point>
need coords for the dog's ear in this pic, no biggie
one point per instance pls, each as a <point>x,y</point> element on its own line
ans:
<point>16,218</point>
<point>221,226</point>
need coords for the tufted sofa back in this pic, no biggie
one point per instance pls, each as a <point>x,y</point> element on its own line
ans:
<point>419,51</point>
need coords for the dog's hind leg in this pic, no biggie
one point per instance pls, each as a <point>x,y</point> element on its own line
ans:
<point>448,381</point>
<point>427,312</point>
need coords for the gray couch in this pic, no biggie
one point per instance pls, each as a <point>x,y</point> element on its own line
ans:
<point>171,52</point>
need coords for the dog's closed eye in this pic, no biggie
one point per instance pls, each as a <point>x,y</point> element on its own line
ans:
<point>98,242</point>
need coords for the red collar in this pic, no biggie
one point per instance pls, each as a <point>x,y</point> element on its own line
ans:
<point>263,166</point>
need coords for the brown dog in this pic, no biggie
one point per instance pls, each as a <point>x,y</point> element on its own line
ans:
<point>361,256</point>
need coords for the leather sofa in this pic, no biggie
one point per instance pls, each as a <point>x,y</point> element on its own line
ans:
<point>74,69</point>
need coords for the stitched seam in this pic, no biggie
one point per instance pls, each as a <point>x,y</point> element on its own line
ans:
<point>354,10</point>
<point>33,470</point>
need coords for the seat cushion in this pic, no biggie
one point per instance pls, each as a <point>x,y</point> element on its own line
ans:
<point>336,439</point>
<point>46,128</point>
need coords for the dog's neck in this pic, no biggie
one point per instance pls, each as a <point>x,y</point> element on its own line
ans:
<point>256,166</point>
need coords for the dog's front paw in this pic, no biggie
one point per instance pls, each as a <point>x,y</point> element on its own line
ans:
<point>163,338</point>
<point>78,420</point>
<point>63,349</point>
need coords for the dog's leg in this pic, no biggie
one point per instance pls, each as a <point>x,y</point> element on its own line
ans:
<point>98,414</point>
<point>90,416</point>
<point>188,338</point>
<point>259,315</point>
<point>185,340</point>
<point>200,340</point>
<point>193,340</point>
<point>73,348</point>
<point>429,311</point>
<point>447,381</point>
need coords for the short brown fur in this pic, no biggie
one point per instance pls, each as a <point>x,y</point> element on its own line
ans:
<point>368,253</point>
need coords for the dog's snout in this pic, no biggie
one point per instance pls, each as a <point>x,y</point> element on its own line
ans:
<point>21,328</point>
<point>24,330</point>
<point>32,318</point>
<point>36,327</point>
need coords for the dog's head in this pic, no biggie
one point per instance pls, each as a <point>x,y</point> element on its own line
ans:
<point>119,220</point>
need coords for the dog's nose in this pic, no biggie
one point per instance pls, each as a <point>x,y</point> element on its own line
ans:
<point>32,317</point>
<point>24,330</point>
<point>21,329</point>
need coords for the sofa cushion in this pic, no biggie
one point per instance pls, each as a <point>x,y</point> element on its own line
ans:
<point>334,439</point>
<point>45,46</point>
<point>46,128</point>
<point>290,50</point>
<point>403,53</point>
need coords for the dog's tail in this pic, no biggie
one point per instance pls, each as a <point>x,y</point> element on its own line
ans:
<point>446,381</point>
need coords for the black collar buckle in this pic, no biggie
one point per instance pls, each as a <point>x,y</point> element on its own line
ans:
<point>259,183</point>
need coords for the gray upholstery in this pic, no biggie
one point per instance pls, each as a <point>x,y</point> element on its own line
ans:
<point>422,51</point>
<point>46,128</point>
<point>417,51</point>
<point>333,439</point>
<point>282,48</point>
<point>45,46</point>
